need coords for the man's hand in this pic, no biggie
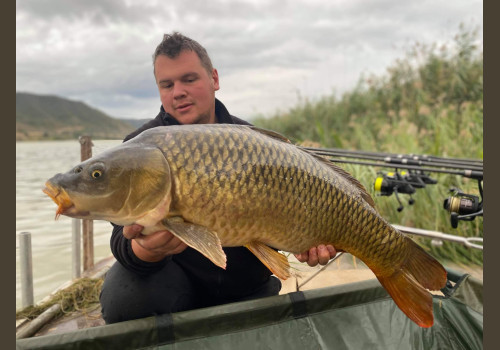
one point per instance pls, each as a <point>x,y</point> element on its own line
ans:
<point>154,247</point>
<point>317,255</point>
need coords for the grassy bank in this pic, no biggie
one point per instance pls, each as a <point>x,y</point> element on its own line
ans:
<point>429,102</point>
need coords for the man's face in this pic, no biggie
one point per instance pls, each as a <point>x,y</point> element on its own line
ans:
<point>187,91</point>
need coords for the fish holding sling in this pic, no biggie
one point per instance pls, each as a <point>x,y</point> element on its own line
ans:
<point>233,185</point>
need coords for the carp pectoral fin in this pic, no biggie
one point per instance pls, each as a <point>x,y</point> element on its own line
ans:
<point>274,261</point>
<point>199,238</point>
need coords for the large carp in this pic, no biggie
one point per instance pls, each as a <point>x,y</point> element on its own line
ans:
<point>233,185</point>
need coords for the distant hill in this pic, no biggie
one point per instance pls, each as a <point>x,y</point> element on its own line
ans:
<point>43,117</point>
<point>136,123</point>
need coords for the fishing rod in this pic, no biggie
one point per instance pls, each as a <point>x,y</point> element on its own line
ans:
<point>382,155</point>
<point>406,161</point>
<point>473,174</point>
<point>387,154</point>
<point>412,172</point>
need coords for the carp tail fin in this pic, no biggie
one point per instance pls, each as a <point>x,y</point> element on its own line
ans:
<point>426,269</point>
<point>408,285</point>
<point>410,297</point>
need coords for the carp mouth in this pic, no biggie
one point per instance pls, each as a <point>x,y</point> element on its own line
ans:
<point>60,197</point>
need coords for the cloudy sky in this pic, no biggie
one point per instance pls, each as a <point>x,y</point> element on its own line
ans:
<point>267,53</point>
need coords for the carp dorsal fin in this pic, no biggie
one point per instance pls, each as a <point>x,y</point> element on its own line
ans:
<point>270,133</point>
<point>362,190</point>
<point>199,238</point>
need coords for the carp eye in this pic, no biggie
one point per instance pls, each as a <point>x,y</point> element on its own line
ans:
<point>96,174</point>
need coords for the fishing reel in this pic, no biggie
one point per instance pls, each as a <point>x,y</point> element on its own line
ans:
<point>463,206</point>
<point>405,182</point>
<point>418,176</point>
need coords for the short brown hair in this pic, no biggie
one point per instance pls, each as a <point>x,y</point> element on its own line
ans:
<point>173,44</point>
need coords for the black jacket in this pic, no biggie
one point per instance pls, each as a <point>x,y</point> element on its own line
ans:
<point>244,272</point>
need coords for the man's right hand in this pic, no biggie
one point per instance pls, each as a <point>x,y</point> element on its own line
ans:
<point>154,247</point>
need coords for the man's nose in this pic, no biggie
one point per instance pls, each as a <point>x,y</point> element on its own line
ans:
<point>179,91</point>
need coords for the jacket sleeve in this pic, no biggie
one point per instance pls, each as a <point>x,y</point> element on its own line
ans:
<point>122,250</point>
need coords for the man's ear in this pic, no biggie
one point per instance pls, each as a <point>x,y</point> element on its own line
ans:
<point>215,77</point>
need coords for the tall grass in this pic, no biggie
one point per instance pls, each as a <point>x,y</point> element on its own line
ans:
<point>429,102</point>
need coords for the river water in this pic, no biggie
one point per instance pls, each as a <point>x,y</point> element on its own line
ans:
<point>36,162</point>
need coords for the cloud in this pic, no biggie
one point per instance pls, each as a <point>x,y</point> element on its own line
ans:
<point>267,52</point>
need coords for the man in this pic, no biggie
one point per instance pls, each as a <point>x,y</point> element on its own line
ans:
<point>158,273</point>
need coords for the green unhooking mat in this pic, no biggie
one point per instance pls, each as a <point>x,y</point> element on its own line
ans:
<point>353,316</point>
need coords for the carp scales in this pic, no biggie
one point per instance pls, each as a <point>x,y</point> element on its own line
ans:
<point>233,185</point>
